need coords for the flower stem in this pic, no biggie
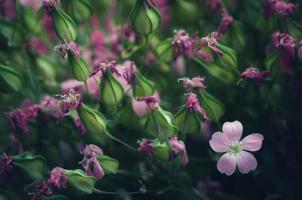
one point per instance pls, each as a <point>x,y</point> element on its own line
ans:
<point>120,141</point>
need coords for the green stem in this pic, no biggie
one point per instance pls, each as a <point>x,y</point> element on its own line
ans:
<point>97,191</point>
<point>120,141</point>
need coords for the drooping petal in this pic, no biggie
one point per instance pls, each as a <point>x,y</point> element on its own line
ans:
<point>227,164</point>
<point>220,142</point>
<point>246,162</point>
<point>252,142</point>
<point>233,130</point>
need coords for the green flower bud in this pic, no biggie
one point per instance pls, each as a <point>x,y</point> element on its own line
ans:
<point>187,122</point>
<point>112,92</point>
<point>65,26</point>
<point>32,165</point>
<point>229,57</point>
<point>93,120</point>
<point>110,165</point>
<point>160,123</point>
<point>79,67</point>
<point>213,107</point>
<point>142,86</point>
<point>160,151</point>
<point>46,71</point>
<point>80,9</point>
<point>79,181</point>
<point>10,80</point>
<point>144,18</point>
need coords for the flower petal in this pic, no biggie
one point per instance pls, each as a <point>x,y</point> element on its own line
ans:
<point>246,162</point>
<point>252,142</point>
<point>220,142</point>
<point>233,130</point>
<point>227,164</point>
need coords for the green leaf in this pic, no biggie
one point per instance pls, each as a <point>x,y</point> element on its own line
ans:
<point>32,165</point>
<point>78,180</point>
<point>110,165</point>
<point>187,122</point>
<point>10,80</point>
<point>213,107</point>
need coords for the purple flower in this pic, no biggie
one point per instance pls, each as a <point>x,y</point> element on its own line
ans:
<point>48,26</point>
<point>5,164</point>
<point>193,105</point>
<point>130,74</point>
<point>90,162</point>
<point>41,189</point>
<point>254,73</point>
<point>38,46</point>
<point>235,150</point>
<point>164,9</point>
<point>7,9</point>
<point>58,178</point>
<point>20,117</point>
<point>226,21</point>
<point>152,102</point>
<point>278,7</point>
<point>183,43</point>
<point>103,67</point>
<point>178,148</point>
<point>286,44</point>
<point>51,106</point>
<point>145,145</point>
<point>195,82</point>
<point>79,125</point>
<point>70,101</point>
<point>211,42</point>
<point>71,46</point>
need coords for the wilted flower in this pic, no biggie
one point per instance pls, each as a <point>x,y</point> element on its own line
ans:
<point>71,46</point>
<point>195,82</point>
<point>5,164</point>
<point>193,105</point>
<point>130,74</point>
<point>178,148</point>
<point>70,101</point>
<point>278,7</point>
<point>236,150</point>
<point>151,102</point>
<point>79,125</point>
<point>90,162</point>
<point>211,42</point>
<point>226,21</point>
<point>40,189</point>
<point>145,146</point>
<point>183,43</point>
<point>8,9</point>
<point>286,44</point>
<point>254,73</point>
<point>108,65</point>
<point>58,178</point>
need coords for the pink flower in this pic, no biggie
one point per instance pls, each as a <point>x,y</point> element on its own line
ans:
<point>152,102</point>
<point>70,101</point>
<point>38,46</point>
<point>178,148</point>
<point>254,73</point>
<point>5,164</point>
<point>195,82</point>
<point>193,105</point>
<point>211,42</point>
<point>278,7</point>
<point>235,150</point>
<point>41,189</point>
<point>7,9</point>
<point>90,162</point>
<point>179,65</point>
<point>226,21</point>
<point>164,9</point>
<point>104,66</point>
<point>183,43</point>
<point>58,178</point>
<point>79,125</point>
<point>48,26</point>
<point>67,85</point>
<point>71,46</point>
<point>34,4</point>
<point>145,146</point>
<point>130,73</point>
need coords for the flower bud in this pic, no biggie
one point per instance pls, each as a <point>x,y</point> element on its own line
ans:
<point>160,151</point>
<point>10,80</point>
<point>187,122</point>
<point>78,66</point>
<point>144,17</point>
<point>65,26</point>
<point>229,57</point>
<point>79,181</point>
<point>93,120</point>
<point>46,70</point>
<point>112,91</point>
<point>142,86</point>
<point>110,165</point>
<point>212,106</point>
<point>160,123</point>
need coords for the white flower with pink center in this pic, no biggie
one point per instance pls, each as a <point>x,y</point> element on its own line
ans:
<point>236,150</point>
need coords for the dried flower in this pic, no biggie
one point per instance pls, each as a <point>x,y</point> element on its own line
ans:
<point>5,164</point>
<point>40,189</point>
<point>108,65</point>
<point>278,7</point>
<point>58,178</point>
<point>254,73</point>
<point>193,105</point>
<point>151,102</point>
<point>183,43</point>
<point>70,101</point>
<point>145,146</point>
<point>178,148</point>
<point>195,82</point>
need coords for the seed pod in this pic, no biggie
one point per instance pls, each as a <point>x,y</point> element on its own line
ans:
<point>65,26</point>
<point>187,122</point>
<point>80,9</point>
<point>78,66</point>
<point>142,86</point>
<point>80,181</point>
<point>10,80</point>
<point>160,123</point>
<point>110,165</point>
<point>160,151</point>
<point>144,18</point>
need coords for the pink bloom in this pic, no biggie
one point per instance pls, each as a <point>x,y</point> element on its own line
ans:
<point>97,38</point>
<point>38,46</point>
<point>211,42</point>
<point>164,9</point>
<point>235,150</point>
<point>152,102</point>
<point>79,125</point>
<point>41,189</point>
<point>179,65</point>
<point>49,5</point>
<point>71,46</point>
<point>103,67</point>
<point>178,148</point>
<point>145,145</point>
<point>130,73</point>
<point>195,82</point>
<point>227,20</point>
<point>34,4</point>
<point>48,26</point>
<point>58,178</point>
<point>254,73</point>
<point>193,105</point>
<point>93,86</point>
<point>5,164</point>
<point>70,101</point>
<point>51,106</point>
<point>90,162</point>
<point>67,85</point>
<point>183,43</point>
<point>278,7</point>
<point>7,9</point>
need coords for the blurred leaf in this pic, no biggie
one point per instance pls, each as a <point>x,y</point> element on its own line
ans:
<point>110,165</point>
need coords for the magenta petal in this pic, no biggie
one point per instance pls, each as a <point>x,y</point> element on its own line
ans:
<point>227,164</point>
<point>220,142</point>
<point>233,130</point>
<point>246,162</point>
<point>252,142</point>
